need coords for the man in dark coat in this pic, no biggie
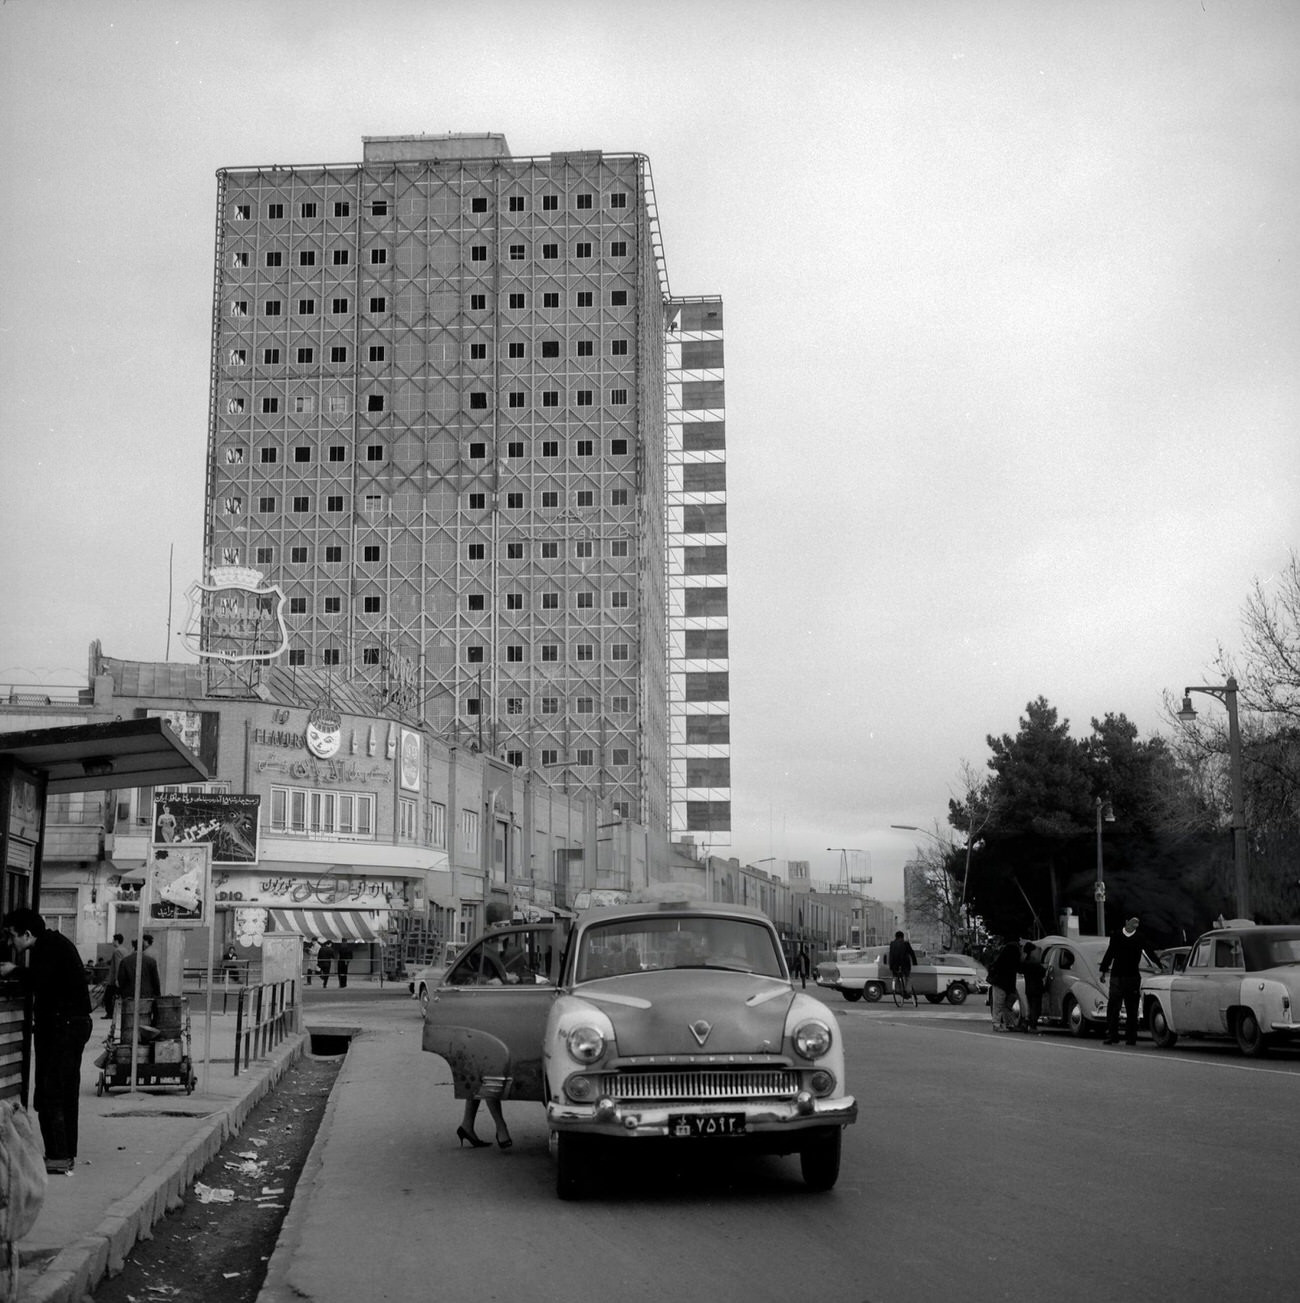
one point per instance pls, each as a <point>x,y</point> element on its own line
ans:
<point>1123,960</point>
<point>325,961</point>
<point>61,1026</point>
<point>150,981</point>
<point>1002,986</point>
<point>120,952</point>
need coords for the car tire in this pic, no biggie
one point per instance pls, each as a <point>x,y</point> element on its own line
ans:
<point>1073,1018</point>
<point>1162,1035</point>
<point>572,1162</point>
<point>934,999</point>
<point>423,996</point>
<point>957,993</point>
<point>819,1159</point>
<point>1251,1040</point>
<point>851,996</point>
<point>874,991</point>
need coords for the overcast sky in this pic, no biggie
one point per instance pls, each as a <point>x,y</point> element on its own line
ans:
<point>1012,326</point>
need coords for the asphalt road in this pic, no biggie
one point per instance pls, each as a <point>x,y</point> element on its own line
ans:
<point>982,1167</point>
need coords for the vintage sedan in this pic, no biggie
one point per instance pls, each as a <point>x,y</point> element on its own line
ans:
<point>1238,982</point>
<point>673,1023</point>
<point>1075,996</point>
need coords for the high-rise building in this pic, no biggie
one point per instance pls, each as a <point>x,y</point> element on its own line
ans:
<point>459,419</point>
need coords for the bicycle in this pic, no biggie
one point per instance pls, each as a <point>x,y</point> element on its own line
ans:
<point>903,991</point>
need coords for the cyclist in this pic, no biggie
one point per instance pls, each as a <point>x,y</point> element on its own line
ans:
<point>901,959</point>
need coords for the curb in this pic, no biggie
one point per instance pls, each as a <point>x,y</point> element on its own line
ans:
<point>79,1267</point>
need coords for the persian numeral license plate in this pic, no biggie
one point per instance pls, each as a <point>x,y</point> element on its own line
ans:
<point>690,1125</point>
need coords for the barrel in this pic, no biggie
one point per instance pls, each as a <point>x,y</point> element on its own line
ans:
<point>167,1017</point>
<point>128,1017</point>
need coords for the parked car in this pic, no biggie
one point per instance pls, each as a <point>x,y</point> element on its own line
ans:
<point>936,977</point>
<point>424,980</point>
<point>674,1023</point>
<point>1173,959</point>
<point>1075,996</point>
<point>1239,982</point>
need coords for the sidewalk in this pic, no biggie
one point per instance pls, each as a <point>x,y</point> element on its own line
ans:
<point>137,1155</point>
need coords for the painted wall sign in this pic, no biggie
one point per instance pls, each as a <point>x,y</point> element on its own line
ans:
<point>234,616</point>
<point>308,770</point>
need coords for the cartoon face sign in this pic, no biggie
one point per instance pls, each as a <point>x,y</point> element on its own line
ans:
<point>323,741</point>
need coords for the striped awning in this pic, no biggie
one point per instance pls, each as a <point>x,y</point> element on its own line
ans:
<point>363,925</point>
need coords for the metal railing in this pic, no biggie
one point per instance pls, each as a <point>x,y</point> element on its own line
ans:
<point>266,1015</point>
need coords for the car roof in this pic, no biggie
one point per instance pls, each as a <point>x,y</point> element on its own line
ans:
<point>649,908</point>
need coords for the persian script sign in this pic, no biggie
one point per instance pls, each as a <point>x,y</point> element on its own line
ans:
<point>235,617</point>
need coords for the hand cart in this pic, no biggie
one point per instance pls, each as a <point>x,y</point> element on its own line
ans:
<point>163,1054</point>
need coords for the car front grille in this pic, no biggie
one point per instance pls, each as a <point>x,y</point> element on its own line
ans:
<point>720,1084</point>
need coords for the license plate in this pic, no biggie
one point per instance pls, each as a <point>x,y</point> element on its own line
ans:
<point>691,1125</point>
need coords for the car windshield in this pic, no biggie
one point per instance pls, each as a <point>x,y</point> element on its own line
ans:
<point>636,945</point>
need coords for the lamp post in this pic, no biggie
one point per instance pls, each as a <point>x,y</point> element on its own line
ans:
<point>1227,693</point>
<point>1105,814</point>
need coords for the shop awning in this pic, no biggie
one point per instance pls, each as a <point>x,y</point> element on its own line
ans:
<point>364,925</point>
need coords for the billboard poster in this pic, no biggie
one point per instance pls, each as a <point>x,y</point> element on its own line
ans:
<point>178,885</point>
<point>225,821</point>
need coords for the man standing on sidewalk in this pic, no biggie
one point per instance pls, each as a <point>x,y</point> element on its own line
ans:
<point>120,952</point>
<point>61,1026</point>
<point>1123,958</point>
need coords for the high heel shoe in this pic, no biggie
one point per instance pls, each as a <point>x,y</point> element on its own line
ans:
<point>504,1144</point>
<point>469,1138</point>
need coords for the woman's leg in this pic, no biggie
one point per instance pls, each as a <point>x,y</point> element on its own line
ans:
<point>498,1119</point>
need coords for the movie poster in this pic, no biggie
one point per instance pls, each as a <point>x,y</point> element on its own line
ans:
<point>226,821</point>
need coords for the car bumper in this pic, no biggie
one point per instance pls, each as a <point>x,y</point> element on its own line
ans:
<point>639,1120</point>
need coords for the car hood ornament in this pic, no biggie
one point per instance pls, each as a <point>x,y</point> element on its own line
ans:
<point>700,1030</point>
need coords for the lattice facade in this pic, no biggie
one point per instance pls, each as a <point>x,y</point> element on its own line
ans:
<point>699,709</point>
<point>437,423</point>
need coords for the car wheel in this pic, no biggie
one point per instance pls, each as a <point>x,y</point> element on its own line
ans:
<point>957,993</point>
<point>851,996</point>
<point>1251,1040</point>
<point>873,991</point>
<point>1162,1035</point>
<point>1073,1018</point>
<point>819,1159</point>
<point>424,1000</point>
<point>934,999</point>
<point>571,1164</point>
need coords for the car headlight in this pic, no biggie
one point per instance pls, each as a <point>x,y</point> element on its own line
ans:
<point>586,1043</point>
<point>811,1040</point>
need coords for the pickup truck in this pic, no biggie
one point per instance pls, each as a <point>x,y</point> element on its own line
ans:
<point>936,977</point>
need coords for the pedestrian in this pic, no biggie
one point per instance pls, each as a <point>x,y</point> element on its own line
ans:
<point>308,953</point>
<point>120,952</point>
<point>150,982</point>
<point>1035,984</point>
<point>325,961</point>
<point>343,957</point>
<point>1123,960</point>
<point>465,1132</point>
<point>1002,986</point>
<point>61,1026</point>
<point>802,965</point>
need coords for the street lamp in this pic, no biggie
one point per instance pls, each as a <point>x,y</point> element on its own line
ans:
<point>1228,695</point>
<point>1105,814</point>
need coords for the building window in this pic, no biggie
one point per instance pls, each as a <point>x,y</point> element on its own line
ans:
<point>297,606</point>
<point>622,756</point>
<point>618,498</point>
<point>618,397</point>
<point>266,505</point>
<point>514,653</point>
<point>271,308</point>
<point>550,651</point>
<point>476,551</point>
<point>274,259</point>
<point>338,306</point>
<point>514,601</point>
<point>469,818</point>
<point>297,656</point>
<point>550,601</point>
<point>307,258</point>
<point>370,656</point>
<point>550,252</point>
<point>333,605</point>
<point>301,505</point>
<point>243,212</point>
<point>234,506</point>
<point>618,248</point>
<point>305,356</point>
<point>239,259</point>
<point>308,210</point>
<point>585,200</point>
<point>620,705</point>
<point>618,599</point>
<point>477,451</point>
<point>515,758</point>
<point>374,402</point>
<point>478,401</point>
<point>586,651</point>
<point>550,756</point>
<point>338,353</point>
<point>330,656</point>
<point>582,249</point>
<point>550,498</point>
<point>379,208</point>
<point>549,203</point>
<point>376,352</point>
<point>583,549</point>
<point>584,397</point>
<point>341,257</point>
<point>372,605</point>
<point>270,405</point>
<point>516,253</point>
<point>584,601</point>
<point>551,299</point>
<point>302,453</point>
<point>342,208</point>
<point>550,447</point>
<point>333,553</point>
<point>514,551</point>
<point>379,304</point>
<point>618,347</point>
<point>238,357</point>
<point>478,501</point>
<point>437,823</point>
<point>518,302</point>
<point>550,398</point>
<point>550,705</point>
<point>374,504</point>
<point>619,651</point>
<point>337,452</point>
<point>618,447</point>
<point>516,203</point>
<point>584,498</point>
<point>478,302</point>
<point>304,403</point>
<point>516,349</point>
<point>584,298</point>
<point>550,551</point>
<point>478,253</point>
<point>378,257</point>
<point>515,448</point>
<point>406,819</point>
<point>334,502</point>
<point>475,602</point>
<point>584,348</point>
<point>370,553</point>
<point>586,757</point>
<point>298,555</point>
<point>275,212</point>
<point>550,348</point>
<point>239,308</point>
<point>516,398</point>
<point>474,654</point>
<point>265,555</point>
<point>478,204</point>
<point>618,547</point>
<point>305,810</point>
<point>584,447</point>
<point>514,501</point>
<point>585,705</point>
<point>618,298</point>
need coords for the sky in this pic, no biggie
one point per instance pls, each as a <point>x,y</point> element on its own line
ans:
<point>1012,327</point>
